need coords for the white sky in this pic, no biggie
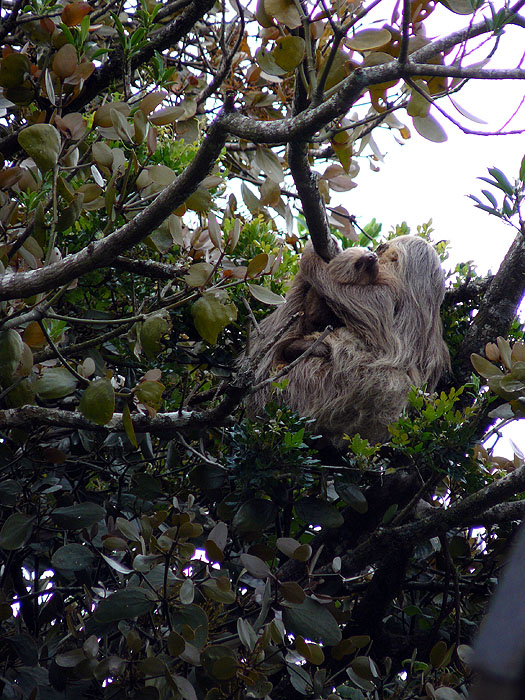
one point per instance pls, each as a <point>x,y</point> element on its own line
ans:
<point>422,180</point>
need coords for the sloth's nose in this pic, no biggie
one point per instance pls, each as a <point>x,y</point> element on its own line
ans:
<point>370,259</point>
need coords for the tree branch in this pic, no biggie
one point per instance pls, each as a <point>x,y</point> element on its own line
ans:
<point>311,200</point>
<point>498,307</point>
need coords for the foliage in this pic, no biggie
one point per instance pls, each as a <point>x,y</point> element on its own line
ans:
<point>154,543</point>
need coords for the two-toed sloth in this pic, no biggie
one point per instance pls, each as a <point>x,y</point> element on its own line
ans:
<point>384,308</point>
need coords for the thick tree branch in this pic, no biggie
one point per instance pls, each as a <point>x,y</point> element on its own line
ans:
<point>379,545</point>
<point>104,252</point>
<point>498,307</point>
<point>149,268</point>
<point>311,200</point>
<point>164,425</point>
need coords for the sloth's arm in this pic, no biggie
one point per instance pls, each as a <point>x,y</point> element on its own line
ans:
<point>317,272</point>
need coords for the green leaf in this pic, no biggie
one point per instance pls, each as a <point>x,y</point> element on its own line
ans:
<point>212,313</point>
<point>317,512</point>
<point>97,402</point>
<point>198,274</point>
<point>42,143</point>
<point>77,516</point>
<point>289,52</point>
<point>128,426</point>
<point>265,295</point>
<point>368,39</point>
<point>55,383</point>
<point>484,367</point>
<point>254,516</point>
<point>502,181</point>
<point>150,394</point>
<point>15,531</point>
<point>313,621</point>
<point>11,349</point>
<point>124,605</point>
<point>154,329</point>
<point>352,495</point>
<point>74,557</point>
<point>257,265</point>
<point>70,214</point>
<point>14,70</point>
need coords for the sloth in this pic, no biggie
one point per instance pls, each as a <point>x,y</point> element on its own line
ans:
<point>387,337</point>
<point>354,266</point>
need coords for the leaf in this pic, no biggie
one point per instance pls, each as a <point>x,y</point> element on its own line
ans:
<point>284,11</point>
<point>103,114</point>
<point>292,592</point>
<point>438,653</point>
<point>55,383</point>
<point>42,143</point>
<point>352,495</point>
<point>429,128</point>
<point>65,61</point>
<point>265,295</point>
<point>268,162</point>
<point>484,367</point>
<point>255,566</point>
<point>368,39</point>
<point>253,516</point>
<point>150,394</point>
<point>117,565</point>
<point>313,621</point>
<point>199,274</point>
<point>289,52</point>
<point>317,512</point>
<point>97,402</point>
<point>14,70</point>
<point>121,125</point>
<point>128,426</point>
<point>154,329</point>
<point>152,101</point>
<point>267,63</point>
<point>212,313</point>
<point>77,516</point>
<point>15,531</point>
<point>185,688</point>
<point>69,215</point>
<point>199,201</point>
<point>11,350</point>
<point>365,668</point>
<point>74,12</point>
<point>287,545</point>
<point>74,557</point>
<point>257,265</point>
<point>124,605</point>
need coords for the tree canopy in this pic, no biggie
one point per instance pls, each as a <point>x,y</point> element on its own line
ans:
<point>163,166</point>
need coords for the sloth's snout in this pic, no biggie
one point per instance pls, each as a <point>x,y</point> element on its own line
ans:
<point>368,261</point>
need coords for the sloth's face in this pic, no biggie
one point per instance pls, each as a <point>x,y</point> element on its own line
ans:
<point>367,268</point>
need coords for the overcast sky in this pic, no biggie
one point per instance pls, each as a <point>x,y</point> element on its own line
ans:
<point>422,180</point>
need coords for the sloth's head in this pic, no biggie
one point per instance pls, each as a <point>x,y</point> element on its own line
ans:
<point>358,266</point>
<point>416,264</point>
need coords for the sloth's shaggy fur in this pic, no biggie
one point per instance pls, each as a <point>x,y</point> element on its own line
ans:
<point>389,337</point>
